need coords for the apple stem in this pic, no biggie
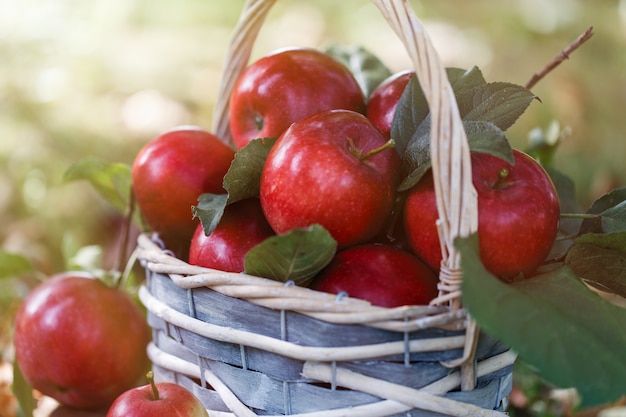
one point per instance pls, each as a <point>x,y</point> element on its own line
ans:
<point>155,390</point>
<point>389,144</point>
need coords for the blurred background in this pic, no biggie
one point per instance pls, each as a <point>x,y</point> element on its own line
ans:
<point>102,77</point>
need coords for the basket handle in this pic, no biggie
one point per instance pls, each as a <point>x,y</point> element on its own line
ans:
<point>450,155</point>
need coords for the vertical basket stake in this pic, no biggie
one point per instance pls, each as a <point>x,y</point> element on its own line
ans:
<point>451,163</point>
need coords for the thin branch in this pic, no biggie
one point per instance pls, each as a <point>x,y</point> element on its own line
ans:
<point>562,56</point>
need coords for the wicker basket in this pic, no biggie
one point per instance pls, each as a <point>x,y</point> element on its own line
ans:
<point>249,346</point>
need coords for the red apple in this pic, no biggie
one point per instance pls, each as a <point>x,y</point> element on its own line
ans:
<point>241,227</point>
<point>381,274</point>
<point>518,215</point>
<point>382,103</point>
<point>81,342</point>
<point>170,173</point>
<point>334,169</point>
<point>286,86</point>
<point>162,399</point>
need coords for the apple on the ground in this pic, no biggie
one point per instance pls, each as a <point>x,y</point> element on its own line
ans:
<point>157,399</point>
<point>79,341</point>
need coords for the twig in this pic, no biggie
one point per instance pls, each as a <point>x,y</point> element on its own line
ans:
<point>125,238</point>
<point>562,56</point>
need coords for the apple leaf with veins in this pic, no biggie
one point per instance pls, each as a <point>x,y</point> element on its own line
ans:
<point>240,182</point>
<point>112,181</point>
<point>297,255</point>
<point>487,110</point>
<point>573,337</point>
<point>244,175</point>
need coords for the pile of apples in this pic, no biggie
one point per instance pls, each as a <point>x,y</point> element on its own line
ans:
<point>317,152</point>
<point>313,173</point>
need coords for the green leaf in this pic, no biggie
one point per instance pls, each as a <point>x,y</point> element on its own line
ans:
<point>297,255</point>
<point>614,219</point>
<point>367,68</point>
<point>462,80</point>
<point>615,241</point>
<point>569,334</point>
<point>23,392</point>
<point>412,108</point>
<point>111,180</point>
<point>481,137</point>
<point>600,260</point>
<point>486,137</point>
<point>209,210</point>
<point>610,210</point>
<point>14,265</point>
<point>244,175</point>
<point>500,103</point>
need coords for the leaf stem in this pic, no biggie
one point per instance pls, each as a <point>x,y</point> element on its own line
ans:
<point>579,216</point>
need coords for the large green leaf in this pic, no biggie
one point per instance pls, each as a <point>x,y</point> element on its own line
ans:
<point>412,108</point>
<point>244,175</point>
<point>111,180</point>
<point>499,103</point>
<point>297,255</point>
<point>600,260</point>
<point>367,68</point>
<point>570,335</point>
<point>481,137</point>
<point>13,265</point>
<point>242,181</point>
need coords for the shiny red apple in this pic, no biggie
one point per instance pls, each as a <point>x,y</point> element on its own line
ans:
<point>170,173</point>
<point>334,169</point>
<point>518,215</point>
<point>381,274</point>
<point>241,227</point>
<point>286,86</point>
<point>161,399</point>
<point>382,103</point>
<point>81,342</point>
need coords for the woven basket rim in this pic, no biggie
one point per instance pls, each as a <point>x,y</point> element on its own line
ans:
<point>331,308</point>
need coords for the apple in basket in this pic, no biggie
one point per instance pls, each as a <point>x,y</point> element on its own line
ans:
<point>382,103</point>
<point>241,227</point>
<point>381,274</point>
<point>334,169</point>
<point>161,399</point>
<point>518,215</point>
<point>168,175</point>
<point>80,341</point>
<point>286,86</point>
